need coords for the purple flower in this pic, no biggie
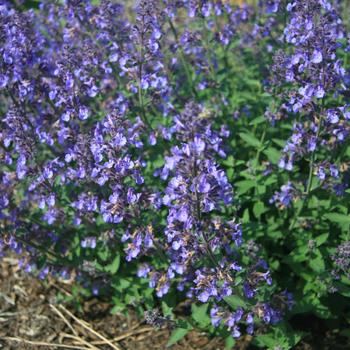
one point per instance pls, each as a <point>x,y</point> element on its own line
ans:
<point>88,242</point>
<point>83,113</point>
<point>143,270</point>
<point>215,316</point>
<point>248,291</point>
<point>317,57</point>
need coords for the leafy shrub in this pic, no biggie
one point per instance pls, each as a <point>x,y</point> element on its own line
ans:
<point>182,150</point>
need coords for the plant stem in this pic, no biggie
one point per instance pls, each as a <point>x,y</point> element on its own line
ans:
<point>310,177</point>
<point>183,60</point>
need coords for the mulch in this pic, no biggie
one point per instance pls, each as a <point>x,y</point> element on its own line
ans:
<point>32,318</point>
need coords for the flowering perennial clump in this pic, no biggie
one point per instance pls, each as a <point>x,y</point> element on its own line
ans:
<point>190,150</point>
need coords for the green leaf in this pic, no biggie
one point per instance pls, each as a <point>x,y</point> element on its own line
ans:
<point>282,336</point>
<point>261,189</point>
<point>229,161</point>
<point>266,341</point>
<point>279,142</point>
<point>321,239</point>
<point>177,335</point>
<point>113,267</point>
<point>121,284</point>
<point>246,216</point>
<point>229,342</point>
<point>344,290</point>
<point>273,155</point>
<point>250,139</point>
<point>244,186</point>
<point>167,310</point>
<point>181,323</point>
<point>229,174</point>
<point>338,218</point>
<point>298,254</point>
<point>317,263</point>
<point>200,315</point>
<point>322,310</point>
<point>235,301</point>
<point>103,254</point>
<point>117,308</point>
<point>29,4</point>
<point>258,120</point>
<point>275,234</point>
<point>258,209</point>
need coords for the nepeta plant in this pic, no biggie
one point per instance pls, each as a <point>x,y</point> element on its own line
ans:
<point>135,157</point>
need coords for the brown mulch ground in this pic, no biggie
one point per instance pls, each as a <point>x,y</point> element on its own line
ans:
<point>31,318</point>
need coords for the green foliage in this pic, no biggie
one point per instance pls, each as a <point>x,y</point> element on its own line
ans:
<point>182,328</point>
<point>200,315</point>
<point>282,337</point>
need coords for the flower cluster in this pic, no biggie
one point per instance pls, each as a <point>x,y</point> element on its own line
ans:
<point>341,261</point>
<point>314,73</point>
<point>50,91</point>
<point>202,249</point>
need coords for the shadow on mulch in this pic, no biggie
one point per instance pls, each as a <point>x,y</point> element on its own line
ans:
<point>30,318</point>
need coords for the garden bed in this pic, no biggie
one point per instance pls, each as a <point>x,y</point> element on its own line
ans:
<point>31,318</point>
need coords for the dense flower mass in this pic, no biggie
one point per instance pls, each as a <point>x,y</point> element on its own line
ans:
<point>314,73</point>
<point>135,157</point>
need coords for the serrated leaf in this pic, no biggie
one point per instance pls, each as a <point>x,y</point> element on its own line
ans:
<point>338,218</point>
<point>250,139</point>
<point>177,335</point>
<point>117,309</point>
<point>317,263</point>
<point>281,336</point>
<point>321,239</point>
<point>273,155</point>
<point>122,284</point>
<point>113,267</point>
<point>229,161</point>
<point>244,186</point>
<point>200,315</point>
<point>167,310</point>
<point>299,254</point>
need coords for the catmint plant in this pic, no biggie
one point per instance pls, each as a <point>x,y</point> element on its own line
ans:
<point>196,151</point>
